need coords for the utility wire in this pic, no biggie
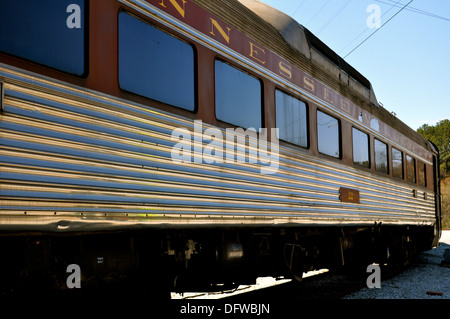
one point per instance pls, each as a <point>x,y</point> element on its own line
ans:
<point>315,15</point>
<point>364,31</point>
<point>378,28</point>
<point>416,10</point>
<point>298,8</point>
<point>334,16</point>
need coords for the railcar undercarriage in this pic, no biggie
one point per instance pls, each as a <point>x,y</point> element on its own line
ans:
<point>209,259</point>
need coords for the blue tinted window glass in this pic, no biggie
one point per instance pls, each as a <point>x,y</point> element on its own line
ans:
<point>381,157</point>
<point>48,32</point>
<point>361,154</point>
<point>292,119</point>
<point>154,64</point>
<point>328,134</point>
<point>238,97</point>
<point>397,163</point>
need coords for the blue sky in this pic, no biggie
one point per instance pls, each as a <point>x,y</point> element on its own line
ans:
<point>407,60</point>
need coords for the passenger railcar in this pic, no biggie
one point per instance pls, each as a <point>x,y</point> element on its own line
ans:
<point>198,144</point>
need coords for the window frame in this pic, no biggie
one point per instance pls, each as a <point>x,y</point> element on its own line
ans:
<point>339,134</point>
<point>261,95</point>
<point>53,56</point>
<point>375,156</point>
<point>424,167</point>
<point>307,124</point>
<point>172,35</point>
<point>402,163</point>
<point>368,148</point>
<point>410,168</point>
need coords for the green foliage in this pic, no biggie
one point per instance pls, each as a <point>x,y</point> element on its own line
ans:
<point>439,134</point>
<point>445,205</point>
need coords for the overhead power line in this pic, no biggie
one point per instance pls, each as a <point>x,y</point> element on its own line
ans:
<point>366,29</point>
<point>298,8</point>
<point>334,16</point>
<point>416,10</point>
<point>315,15</point>
<point>378,28</point>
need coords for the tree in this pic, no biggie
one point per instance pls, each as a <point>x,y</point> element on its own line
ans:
<point>439,134</point>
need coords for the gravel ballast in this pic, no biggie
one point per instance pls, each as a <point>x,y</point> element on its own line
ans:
<point>424,279</point>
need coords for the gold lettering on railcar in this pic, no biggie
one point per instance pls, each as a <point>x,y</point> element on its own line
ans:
<point>285,70</point>
<point>348,195</point>
<point>308,83</point>
<point>256,52</point>
<point>225,35</point>
<point>345,105</point>
<point>328,95</point>
<point>181,9</point>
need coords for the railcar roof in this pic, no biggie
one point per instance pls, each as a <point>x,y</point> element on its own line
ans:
<point>300,38</point>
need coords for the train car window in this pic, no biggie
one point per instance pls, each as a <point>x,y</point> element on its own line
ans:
<point>291,119</point>
<point>410,169</point>
<point>361,153</point>
<point>48,32</point>
<point>238,96</point>
<point>422,174</point>
<point>381,157</point>
<point>155,64</point>
<point>328,135</point>
<point>397,163</point>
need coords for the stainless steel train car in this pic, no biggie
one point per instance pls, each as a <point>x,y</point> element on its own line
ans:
<point>196,144</point>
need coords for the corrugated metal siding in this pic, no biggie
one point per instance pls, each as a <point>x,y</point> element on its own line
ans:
<point>71,159</point>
